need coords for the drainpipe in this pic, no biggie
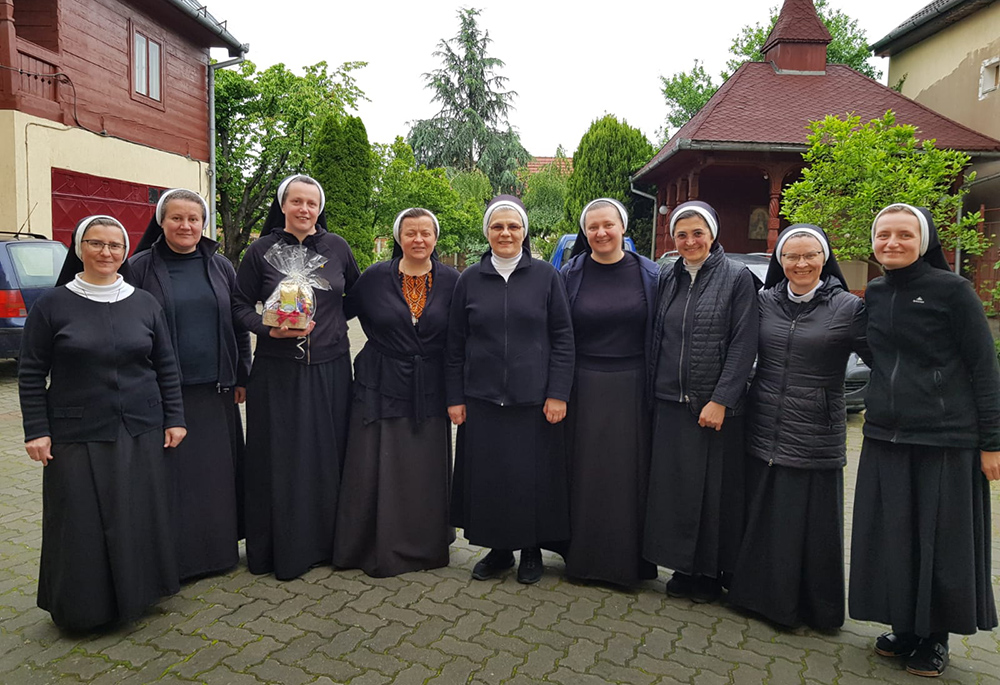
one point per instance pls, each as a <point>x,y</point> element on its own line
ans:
<point>212,231</point>
<point>652,246</point>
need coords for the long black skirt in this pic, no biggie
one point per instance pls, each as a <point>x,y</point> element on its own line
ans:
<point>296,430</point>
<point>791,565</point>
<point>107,545</point>
<point>920,545</point>
<point>204,469</point>
<point>695,512</point>
<point>510,489</point>
<point>608,438</point>
<point>393,512</point>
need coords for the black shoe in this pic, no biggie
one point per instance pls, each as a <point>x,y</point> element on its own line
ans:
<point>493,564</point>
<point>706,590</point>
<point>896,644</point>
<point>929,660</point>
<point>680,585</point>
<point>529,571</point>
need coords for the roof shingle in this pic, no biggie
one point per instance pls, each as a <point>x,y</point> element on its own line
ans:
<point>797,23</point>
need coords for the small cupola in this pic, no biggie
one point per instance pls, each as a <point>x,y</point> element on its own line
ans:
<point>797,43</point>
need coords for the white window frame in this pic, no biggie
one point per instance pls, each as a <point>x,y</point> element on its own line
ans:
<point>989,76</point>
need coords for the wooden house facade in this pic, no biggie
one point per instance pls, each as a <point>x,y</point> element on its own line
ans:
<point>103,104</point>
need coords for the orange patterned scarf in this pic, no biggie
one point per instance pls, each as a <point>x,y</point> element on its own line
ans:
<point>415,289</point>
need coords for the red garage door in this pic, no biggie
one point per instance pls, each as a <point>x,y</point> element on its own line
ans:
<point>76,195</point>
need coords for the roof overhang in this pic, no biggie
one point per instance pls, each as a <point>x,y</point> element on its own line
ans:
<point>930,20</point>
<point>718,146</point>
<point>199,13</point>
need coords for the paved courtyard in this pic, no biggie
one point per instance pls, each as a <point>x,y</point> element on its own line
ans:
<point>433,627</point>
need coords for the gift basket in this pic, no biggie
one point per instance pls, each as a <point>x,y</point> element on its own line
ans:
<point>293,302</point>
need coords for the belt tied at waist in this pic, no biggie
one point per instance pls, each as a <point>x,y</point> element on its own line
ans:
<point>417,384</point>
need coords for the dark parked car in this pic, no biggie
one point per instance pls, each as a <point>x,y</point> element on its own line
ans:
<point>858,373</point>
<point>29,265</point>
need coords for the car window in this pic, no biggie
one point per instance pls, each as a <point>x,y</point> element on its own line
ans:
<point>568,250</point>
<point>37,264</point>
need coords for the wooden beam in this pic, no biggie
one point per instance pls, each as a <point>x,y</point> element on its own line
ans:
<point>8,51</point>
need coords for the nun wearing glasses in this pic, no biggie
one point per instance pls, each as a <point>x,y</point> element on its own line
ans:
<point>508,375</point>
<point>791,564</point>
<point>299,393</point>
<point>393,511</point>
<point>181,268</point>
<point>612,297</point>
<point>111,407</point>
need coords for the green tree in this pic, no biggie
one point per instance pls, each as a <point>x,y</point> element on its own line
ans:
<point>342,162</point>
<point>545,201</point>
<point>264,122</point>
<point>856,169</point>
<point>609,153</point>
<point>686,92</point>
<point>471,130</point>
<point>403,183</point>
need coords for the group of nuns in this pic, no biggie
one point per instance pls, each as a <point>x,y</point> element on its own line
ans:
<point>606,413</point>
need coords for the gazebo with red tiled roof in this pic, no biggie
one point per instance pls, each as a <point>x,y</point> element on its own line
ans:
<point>746,143</point>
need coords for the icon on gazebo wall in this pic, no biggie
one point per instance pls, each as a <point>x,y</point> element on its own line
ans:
<point>758,223</point>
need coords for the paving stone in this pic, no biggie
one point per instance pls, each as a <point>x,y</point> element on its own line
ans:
<point>613,673</point>
<point>321,665</point>
<point>508,620</point>
<point>783,671</point>
<point>282,632</point>
<point>223,676</point>
<point>299,648</point>
<point>252,653</point>
<point>458,670</point>
<point>620,650</point>
<point>27,675</point>
<point>749,675</point>
<point>580,655</point>
<point>540,662</point>
<point>498,668</point>
<point>701,662</point>
<point>821,667</point>
<point>344,642</point>
<point>428,631</point>
<point>371,678</point>
<point>501,643</point>
<point>205,659</point>
<point>313,624</point>
<point>568,677</point>
<point>414,675</point>
<point>383,663</point>
<point>387,636</point>
<point>663,667</point>
<point>471,623</point>
<point>176,641</point>
<point>250,611</point>
<point>272,671</point>
<point>431,658</point>
<point>227,633</point>
<point>84,666</point>
<point>529,633</point>
<point>131,653</point>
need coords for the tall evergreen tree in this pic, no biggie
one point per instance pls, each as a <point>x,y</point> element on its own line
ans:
<point>471,130</point>
<point>609,153</point>
<point>342,162</point>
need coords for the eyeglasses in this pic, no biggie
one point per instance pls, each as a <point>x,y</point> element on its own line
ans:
<point>99,245</point>
<point>499,228</point>
<point>791,258</point>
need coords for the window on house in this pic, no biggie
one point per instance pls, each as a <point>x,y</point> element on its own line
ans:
<point>989,76</point>
<point>146,61</point>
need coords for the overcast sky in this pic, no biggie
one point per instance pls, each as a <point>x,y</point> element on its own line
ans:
<point>570,63</point>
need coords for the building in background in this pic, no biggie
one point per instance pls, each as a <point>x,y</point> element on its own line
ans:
<point>103,104</point>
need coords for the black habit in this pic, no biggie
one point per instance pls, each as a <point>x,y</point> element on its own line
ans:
<point>213,352</point>
<point>608,424</point>
<point>107,548</point>
<point>298,399</point>
<point>510,346</point>
<point>393,511</point>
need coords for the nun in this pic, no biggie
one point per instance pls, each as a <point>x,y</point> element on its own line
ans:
<point>180,267</point>
<point>704,344</point>
<point>612,298</point>
<point>298,395</point>
<point>790,569</point>
<point>112,406</point>
<point>920,544</point>
<point>508,375</point>
<point>393,510</point>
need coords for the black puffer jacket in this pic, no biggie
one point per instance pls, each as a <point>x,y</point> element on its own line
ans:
<point>934,379</point>
<point>711,354</point>
<point>795,408</point>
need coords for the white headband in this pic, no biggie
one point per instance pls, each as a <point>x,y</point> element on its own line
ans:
<point>503,204</point>
<point>161,206</point>
<point>805,229</point>
<point>398,223</point>
<point>84,224</point>
<point>925,230</point>
<point>296,177</point>
<point>713,227</point>
<point>615,203</point>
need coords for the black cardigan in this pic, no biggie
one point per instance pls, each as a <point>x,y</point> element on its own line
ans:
<point>934,376</point>
<point>148,271</point>
<point>400,370</point>
<point>256,280</point>
<point>510,342</point>
<point>109,363</point>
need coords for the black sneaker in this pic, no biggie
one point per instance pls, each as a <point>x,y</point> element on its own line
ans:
<point>895,645</point>
<point>929,660</point>
<point>493,564</point>
<point>529,571</point>
<point>706,590</point>
<point>680,585</point>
